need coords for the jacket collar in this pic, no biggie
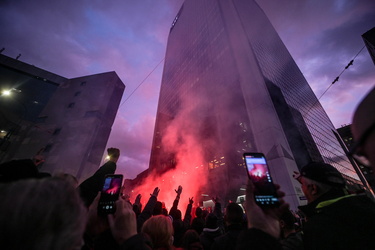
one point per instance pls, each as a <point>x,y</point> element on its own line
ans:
<point>328,198</point>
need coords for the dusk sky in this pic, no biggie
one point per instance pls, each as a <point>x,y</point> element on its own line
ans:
<point>75,38</point>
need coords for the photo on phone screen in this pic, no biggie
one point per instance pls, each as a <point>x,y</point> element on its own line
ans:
<point>110,194</point>
<point>259,173</point>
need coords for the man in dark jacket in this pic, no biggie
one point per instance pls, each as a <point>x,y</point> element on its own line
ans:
<point>234,220</point>
<point>211,230</point>
<point>335,219</point>
<point>291,239</point>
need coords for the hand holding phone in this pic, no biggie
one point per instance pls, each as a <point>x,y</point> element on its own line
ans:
<point>110,194</point>
<point>259,173</point>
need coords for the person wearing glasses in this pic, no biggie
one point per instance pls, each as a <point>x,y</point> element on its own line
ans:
<point>363,129</point>
<point>335,218</point>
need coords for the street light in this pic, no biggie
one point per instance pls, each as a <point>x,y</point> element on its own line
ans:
<point>8,92</point>
<point>5,92</point>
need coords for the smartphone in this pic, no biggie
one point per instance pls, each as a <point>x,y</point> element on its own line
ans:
<point>110,194</point>
<point>259,173</point>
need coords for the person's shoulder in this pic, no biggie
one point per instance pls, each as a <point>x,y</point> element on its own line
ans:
<point>293,241</point>
<point>257,239</point>
<point>361,202</point>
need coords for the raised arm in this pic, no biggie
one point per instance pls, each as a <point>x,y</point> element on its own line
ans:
<point>175,202</point>
<point>263,223</point>
<point>91,186</point>
<point>149,208</point>
<point>187,218</point>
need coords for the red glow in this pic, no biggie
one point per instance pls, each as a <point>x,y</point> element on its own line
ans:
<point>181,136</point>
<point>259,172</point>
<point>190,178</point>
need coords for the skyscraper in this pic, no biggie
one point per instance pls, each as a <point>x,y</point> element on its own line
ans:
<point>369,39</point>
<point>230,86</point>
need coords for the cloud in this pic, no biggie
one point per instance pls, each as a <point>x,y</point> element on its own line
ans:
<point>134,142</point>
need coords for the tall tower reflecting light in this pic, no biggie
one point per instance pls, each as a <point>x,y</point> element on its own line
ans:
<point>230,86</point>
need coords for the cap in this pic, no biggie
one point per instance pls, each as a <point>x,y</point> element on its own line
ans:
<point>324,173</point>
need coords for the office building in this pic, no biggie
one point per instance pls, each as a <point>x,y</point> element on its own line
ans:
<point>230,86</point>
<point>69,120</point>
<point>369,40</point>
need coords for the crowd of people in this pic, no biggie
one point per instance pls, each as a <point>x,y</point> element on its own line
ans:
<point>40,211</point>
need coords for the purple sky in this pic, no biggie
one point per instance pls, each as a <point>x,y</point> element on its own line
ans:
<point>76,38</point>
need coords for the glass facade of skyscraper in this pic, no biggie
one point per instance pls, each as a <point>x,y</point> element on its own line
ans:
<point>230,86</point>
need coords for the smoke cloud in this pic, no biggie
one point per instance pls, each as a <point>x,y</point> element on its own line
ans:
<point>191,171</point>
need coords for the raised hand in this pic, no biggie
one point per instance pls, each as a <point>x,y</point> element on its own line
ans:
<point>138,199</point>
<point>123,223</point>
<point>191,201</point>
<point>179,190</point>
<point>156,192</point>
<point>95,224</point>
<point>265,219</point>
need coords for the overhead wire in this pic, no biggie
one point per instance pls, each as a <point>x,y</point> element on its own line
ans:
<point>152,71</point>
<point>336,79</point>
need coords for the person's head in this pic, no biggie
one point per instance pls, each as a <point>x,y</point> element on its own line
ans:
<point>113,154</point>
<point>191,240</point>
<point>317,178</point>
<point>233,214</point>
<point>176,214</point>
<point>158,209</point>
<point>41,214</point>
<point>160,230</point>
<point>198,212</point>
<point>287,223</point>
<point>211,221</point>
<point>363,129</point>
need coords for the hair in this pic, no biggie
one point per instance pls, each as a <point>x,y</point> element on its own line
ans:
<point>289,219</point>
<point>322,187</point>
<point>199,212</point>
<point>234,214</point>
<point>160,229</point>
<point>211,221</point>
<point>41,214</point>
<point>191,240</point>
<point>158,208</point>
<point>68,177</point>
<point>176,214</point>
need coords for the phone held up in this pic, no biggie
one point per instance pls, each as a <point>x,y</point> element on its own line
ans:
<point>259,173</point>
<point>110,194</point>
